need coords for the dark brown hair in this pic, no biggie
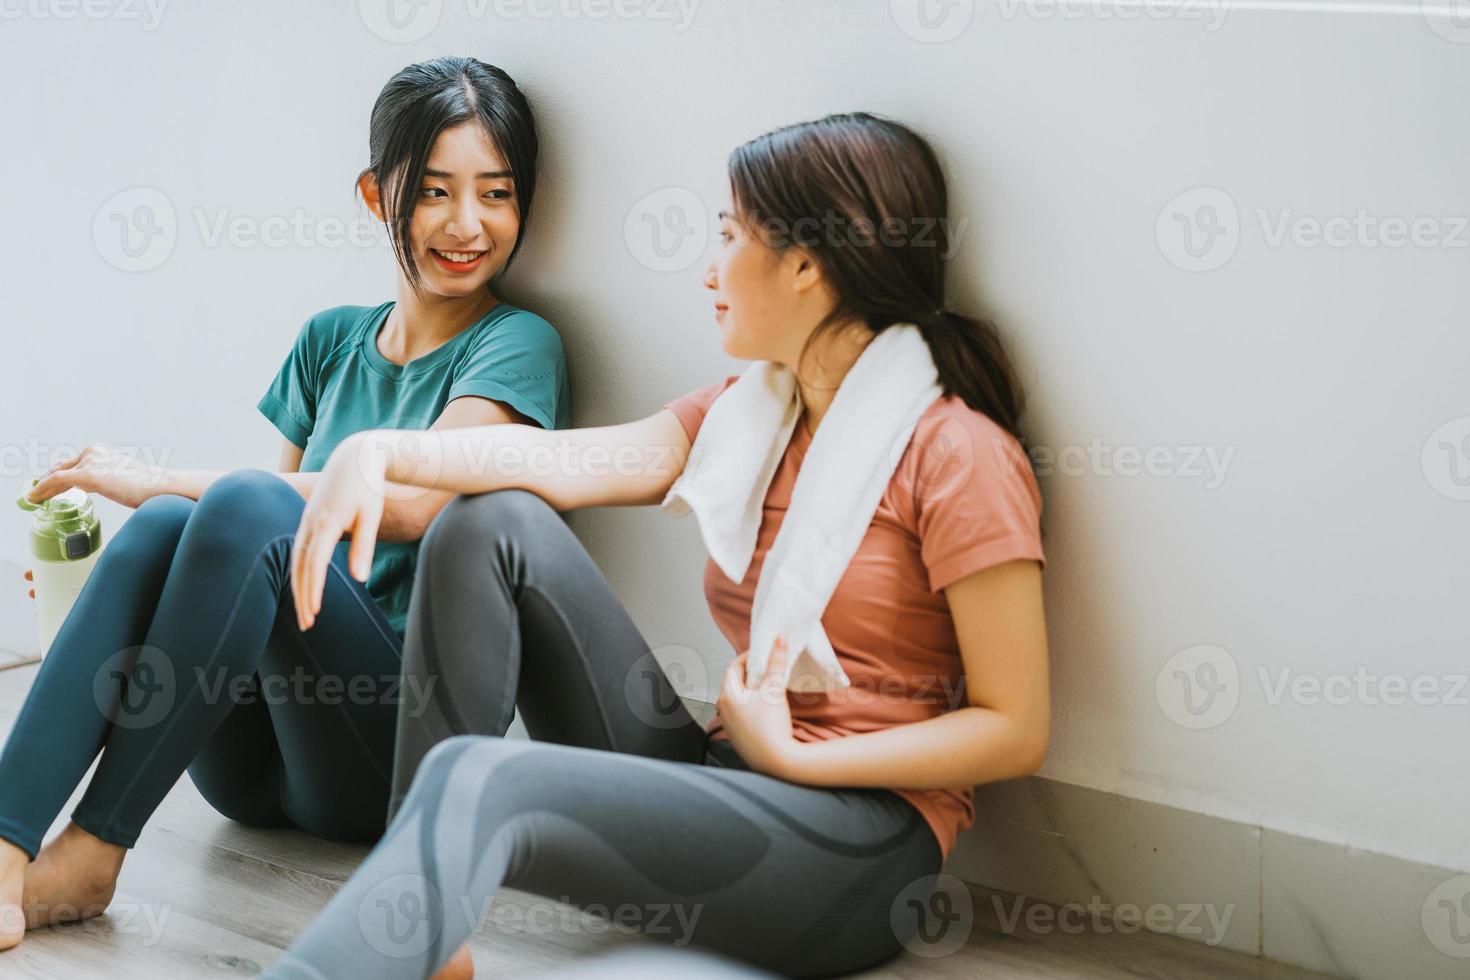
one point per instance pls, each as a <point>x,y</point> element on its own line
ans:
<point>865,197</point>
<point>424,100</point>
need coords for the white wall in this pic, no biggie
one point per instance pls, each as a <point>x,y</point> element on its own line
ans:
<point>1335,541</point>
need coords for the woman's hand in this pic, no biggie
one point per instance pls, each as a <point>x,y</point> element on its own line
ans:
<point>348,499</point>
<point>101,470</point>
<point>757,716</point>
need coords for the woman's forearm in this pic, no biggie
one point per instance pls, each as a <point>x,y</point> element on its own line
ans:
<point>966,747</point>
<point>193,483</point>
<point>635,463</point>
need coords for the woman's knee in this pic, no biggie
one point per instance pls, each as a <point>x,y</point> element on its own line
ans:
<point>456,762</point>
<point>243,508</point>
<point>242,490</point>
<point>470,521</point>
<point>151,534</point>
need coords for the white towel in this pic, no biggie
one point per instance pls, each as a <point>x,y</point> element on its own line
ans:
<point>851,460</point>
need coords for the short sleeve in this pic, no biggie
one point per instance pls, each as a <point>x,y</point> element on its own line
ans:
<point>519,361</point>
<point>290,401</point>
<point>692,408</point>
<point>975,495</point>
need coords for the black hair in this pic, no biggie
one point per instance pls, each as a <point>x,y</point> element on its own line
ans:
<point>424,100</point>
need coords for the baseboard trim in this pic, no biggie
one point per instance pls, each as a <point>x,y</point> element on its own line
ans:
<point>1325,907</point>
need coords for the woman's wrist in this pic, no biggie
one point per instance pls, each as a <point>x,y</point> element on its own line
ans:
<point>787,760</point>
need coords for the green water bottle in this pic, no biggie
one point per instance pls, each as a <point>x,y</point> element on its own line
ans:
<point>65,537</point>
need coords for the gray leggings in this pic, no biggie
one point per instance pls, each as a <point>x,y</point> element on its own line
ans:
<point>620,807</point>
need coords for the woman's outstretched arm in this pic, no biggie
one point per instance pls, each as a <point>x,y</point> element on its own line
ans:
<point>629,464</point>
<point>130,481</point>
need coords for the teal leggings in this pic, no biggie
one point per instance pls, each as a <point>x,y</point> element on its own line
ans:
<point>182,652</point>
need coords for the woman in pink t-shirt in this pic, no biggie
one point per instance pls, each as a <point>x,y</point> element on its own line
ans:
<point>801,832</point>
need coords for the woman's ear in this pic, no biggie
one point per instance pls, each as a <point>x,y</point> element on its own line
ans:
<point>804,271</point>
<point>367,186</point>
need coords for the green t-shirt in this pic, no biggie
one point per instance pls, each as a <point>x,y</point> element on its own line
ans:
<point>336,382</point>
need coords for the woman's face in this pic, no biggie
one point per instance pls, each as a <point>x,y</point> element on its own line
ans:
<point>467,217</point>
<point>765,303</point>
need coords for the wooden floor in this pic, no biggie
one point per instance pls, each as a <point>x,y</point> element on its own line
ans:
<point>201,897</point>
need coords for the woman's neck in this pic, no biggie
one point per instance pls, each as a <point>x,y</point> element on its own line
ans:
<point>419,324</point>
<point>827,363</point>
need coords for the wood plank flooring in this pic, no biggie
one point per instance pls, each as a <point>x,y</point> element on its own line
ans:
<point>201,897</point>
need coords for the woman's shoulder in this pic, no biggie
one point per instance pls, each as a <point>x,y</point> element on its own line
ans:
<point>330,329</point>
<point>956,446</point>
<point>509,325</point>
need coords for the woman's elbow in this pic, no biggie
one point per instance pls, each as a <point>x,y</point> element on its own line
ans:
<point>1033,742</point>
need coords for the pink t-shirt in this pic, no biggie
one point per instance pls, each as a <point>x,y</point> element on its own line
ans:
<point>962,498</point>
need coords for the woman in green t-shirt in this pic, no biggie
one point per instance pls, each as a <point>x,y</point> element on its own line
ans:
<point>183,651</point>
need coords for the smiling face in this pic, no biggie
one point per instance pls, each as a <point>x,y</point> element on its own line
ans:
<point>766,301</point>
<point>467,218</point>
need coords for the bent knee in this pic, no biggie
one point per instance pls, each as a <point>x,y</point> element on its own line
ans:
<point>244,508</point>
<point>156,525</point>
<point>470,519</point>
<point>460,760</point>
<point>245,488</point>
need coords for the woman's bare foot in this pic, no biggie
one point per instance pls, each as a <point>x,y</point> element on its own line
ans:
<point>459,967</point>
<point>13,863</point>
<point>73,877</point>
